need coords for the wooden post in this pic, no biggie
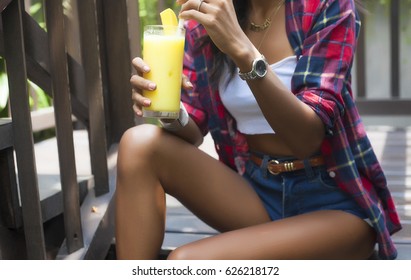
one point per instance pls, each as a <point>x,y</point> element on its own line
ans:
<point>22,131</point>
<point>395,48</point>
<point>94,90</point>
<point>121,44</point>
<point>64,126</point>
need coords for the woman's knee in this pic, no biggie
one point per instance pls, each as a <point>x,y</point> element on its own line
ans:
<point>140,140</point>
<point>185,252</point>
<point>136,148</point>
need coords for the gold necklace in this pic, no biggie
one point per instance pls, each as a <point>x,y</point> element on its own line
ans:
<point>261,27</point>
<point>266,32</point>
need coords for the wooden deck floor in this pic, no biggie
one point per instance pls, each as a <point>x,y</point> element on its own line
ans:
<point>392,146</point>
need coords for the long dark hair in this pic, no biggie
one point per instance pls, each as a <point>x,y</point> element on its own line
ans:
<point>221,59</point>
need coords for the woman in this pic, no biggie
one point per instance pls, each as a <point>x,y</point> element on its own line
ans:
<point>297,177</point>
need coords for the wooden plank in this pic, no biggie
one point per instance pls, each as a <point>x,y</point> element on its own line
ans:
<point>37,55</point>
<point>94,89</point>
<point>42,119</point>
<point>6,133</point>
<point>52,197</point>
<point>404,251</point>
<point>1,37</point>
<point>360,63</point>
<point>64,129</point>
<point>118,65</point>
<point>3,4</point>
<point>395,49</point>
<point>389,107</point>
<point>47,162</point>
<point>23,138</point>
<point>10,210</point>
<point>98,214</point>
<point>38,67</point>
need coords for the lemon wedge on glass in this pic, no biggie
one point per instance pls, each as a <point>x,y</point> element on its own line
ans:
<point>168,17</point>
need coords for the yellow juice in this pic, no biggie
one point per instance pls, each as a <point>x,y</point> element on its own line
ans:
<point>163,52</point>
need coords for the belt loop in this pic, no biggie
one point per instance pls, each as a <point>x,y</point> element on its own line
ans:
<point>264,165</point>
<point>308,169</point>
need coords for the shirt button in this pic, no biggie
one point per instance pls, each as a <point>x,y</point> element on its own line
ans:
<point>332,174</point>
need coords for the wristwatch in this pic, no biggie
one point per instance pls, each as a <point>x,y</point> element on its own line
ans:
<point>258,69</point>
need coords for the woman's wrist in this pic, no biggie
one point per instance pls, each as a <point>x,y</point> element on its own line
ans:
<point>176,124</point>
<point>244,58</point>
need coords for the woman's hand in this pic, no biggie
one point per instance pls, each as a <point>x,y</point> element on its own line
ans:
<point>220,20</point>
<point>139,84</point>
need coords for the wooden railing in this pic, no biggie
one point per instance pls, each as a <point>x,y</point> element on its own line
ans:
<point>107,29</point>
<point>394,104</point>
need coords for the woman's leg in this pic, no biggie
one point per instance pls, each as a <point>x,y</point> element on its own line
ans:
<point>151,163</point>
<point>327,234</point>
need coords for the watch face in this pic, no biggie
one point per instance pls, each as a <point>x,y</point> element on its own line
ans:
<point>261,68</point>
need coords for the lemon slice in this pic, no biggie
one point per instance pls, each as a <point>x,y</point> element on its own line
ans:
<point>168,17</point>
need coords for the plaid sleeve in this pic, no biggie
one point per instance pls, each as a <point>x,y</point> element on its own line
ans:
<point>191,67</point>
<point>326,57</point>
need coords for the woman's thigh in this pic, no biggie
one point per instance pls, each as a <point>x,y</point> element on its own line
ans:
<point>325,234</point>
<point>212,191</point>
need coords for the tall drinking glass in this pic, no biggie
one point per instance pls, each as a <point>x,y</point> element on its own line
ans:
<point>163,51</point>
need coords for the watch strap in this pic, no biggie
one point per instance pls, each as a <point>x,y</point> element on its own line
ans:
<point>179,123</point>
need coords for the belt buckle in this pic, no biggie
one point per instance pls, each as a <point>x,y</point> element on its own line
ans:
<point>273,161</point>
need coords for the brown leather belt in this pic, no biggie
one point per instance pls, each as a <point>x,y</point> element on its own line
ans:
<point>275,167</point>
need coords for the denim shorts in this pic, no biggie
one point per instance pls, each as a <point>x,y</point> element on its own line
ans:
<point>297,192</point>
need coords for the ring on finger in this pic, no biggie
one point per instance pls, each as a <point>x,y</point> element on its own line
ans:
<point>199,5</point>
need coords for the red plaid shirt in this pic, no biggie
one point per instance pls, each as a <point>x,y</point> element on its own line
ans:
<point>323,34</point>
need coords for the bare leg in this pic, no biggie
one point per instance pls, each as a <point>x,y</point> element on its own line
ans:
<point>326,234</point>
<point>152,162</point>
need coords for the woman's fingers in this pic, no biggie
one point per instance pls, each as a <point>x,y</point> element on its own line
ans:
<point>219,19</point>
<point>140,65</point>
<point>139,102</point>
<point>186,83</point>
<point>139,84</point>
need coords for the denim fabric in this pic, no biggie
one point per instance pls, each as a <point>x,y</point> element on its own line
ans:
<point>302,191</point>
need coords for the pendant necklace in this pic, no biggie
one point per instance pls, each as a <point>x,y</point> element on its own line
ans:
<point>261,27</point>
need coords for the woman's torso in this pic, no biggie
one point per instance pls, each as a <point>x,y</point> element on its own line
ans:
<point>275,46</point>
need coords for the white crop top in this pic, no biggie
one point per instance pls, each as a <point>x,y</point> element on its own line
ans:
<point>240,101</point>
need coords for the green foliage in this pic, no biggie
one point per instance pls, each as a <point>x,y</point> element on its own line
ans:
<point>4,90</point>
<point>38,98</point>
<point>37,12</point>
<point>148,10</point>
<point>4,95</point>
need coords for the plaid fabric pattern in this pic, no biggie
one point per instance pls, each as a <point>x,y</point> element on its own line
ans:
<point>323,34</point>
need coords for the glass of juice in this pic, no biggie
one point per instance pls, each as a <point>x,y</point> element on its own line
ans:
<point>163,51</point>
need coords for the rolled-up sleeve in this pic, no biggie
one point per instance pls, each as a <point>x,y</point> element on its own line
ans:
<point>323,69</point>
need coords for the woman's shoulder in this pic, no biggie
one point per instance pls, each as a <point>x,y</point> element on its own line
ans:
<point>303,15</point>
<point>318,6</point>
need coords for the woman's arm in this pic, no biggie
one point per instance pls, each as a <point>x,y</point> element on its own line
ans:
<point>300,124</point>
